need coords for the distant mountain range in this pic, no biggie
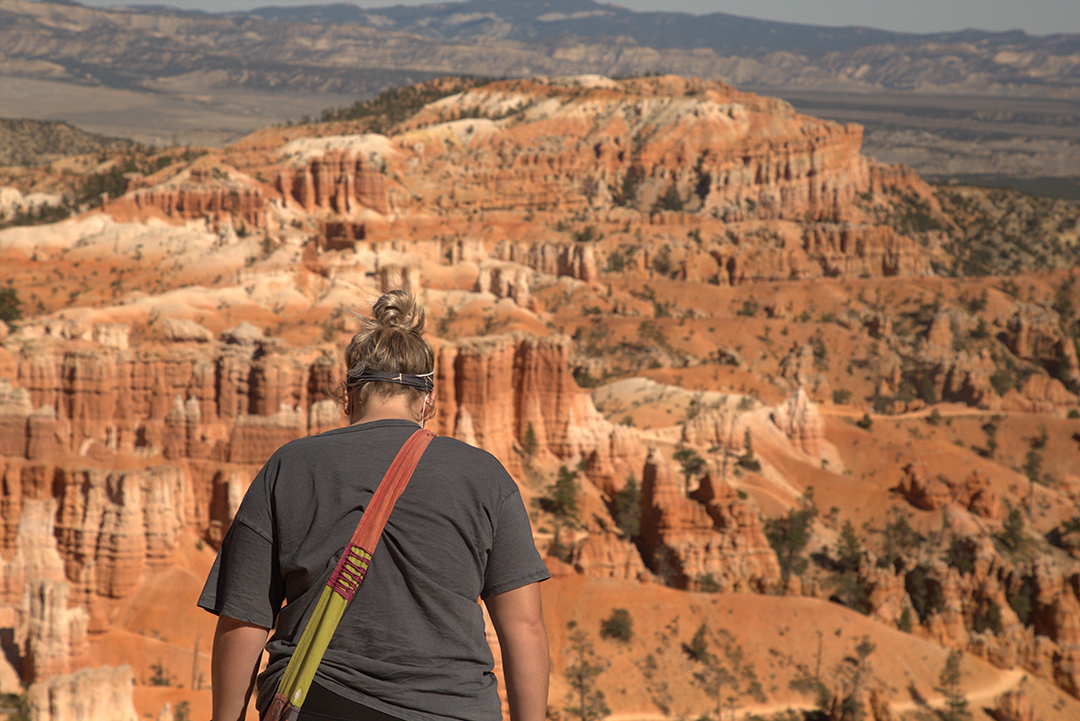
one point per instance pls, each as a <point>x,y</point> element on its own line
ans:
<point>969,103</point>
<point>344,48</point>
<point>532,21</point>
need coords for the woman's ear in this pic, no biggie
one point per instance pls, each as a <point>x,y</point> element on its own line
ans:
<point>427,409</point>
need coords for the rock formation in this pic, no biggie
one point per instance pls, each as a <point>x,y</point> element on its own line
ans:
<point>635,210</point>
<point>716,543</point>
<point>90,694</point>
<point>800,420</point>
<point>206,192</point>
<point>336,182</point>
<point>54,633</point>
<point>1035,335</point>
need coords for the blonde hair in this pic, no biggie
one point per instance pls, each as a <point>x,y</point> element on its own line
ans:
<point>392,341</point>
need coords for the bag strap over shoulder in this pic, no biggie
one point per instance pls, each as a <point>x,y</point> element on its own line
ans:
<point>351,567</point>
<point>346,578</point>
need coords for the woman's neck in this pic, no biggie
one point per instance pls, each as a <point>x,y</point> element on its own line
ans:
<point>395,407</point>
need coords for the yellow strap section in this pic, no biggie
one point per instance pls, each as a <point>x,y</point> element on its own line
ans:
<point>309,652</point>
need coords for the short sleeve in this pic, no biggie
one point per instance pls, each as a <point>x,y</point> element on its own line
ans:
<point>514,560</point>
<point>245,581</point>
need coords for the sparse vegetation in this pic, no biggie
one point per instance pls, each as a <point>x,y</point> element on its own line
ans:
<point>750,308</point>
<point>851,589</point>
<point>529,444</point>
<point>627,195</point>
<point>392,106</point>
<point>10,306</point>
<point>619,626</point>
<point>670,200</point>
<point>990,429</point>
<point>584,701</point>
<point>724,676</point>
<point>956,703</point>
<point>627,508</point>
<point>899,539</point>
<point>561,498</point>
<point>15,706</point>
<point>789,535</point>
<point>988,619</point>
<point>748,460</point>
<point>662,260</point>
<point>925,591</point>
<point>692,464</point>
<point>160,675</point>
<point>960,554</point>
<point>1001,231</point>
<point>1012,536</point>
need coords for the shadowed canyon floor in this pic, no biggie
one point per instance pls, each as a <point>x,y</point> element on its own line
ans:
<point>808,421</point>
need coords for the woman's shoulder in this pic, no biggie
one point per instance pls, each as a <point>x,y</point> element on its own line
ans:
<point>450,446</point>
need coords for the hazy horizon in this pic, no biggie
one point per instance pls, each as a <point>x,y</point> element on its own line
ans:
<point>1035,17</point>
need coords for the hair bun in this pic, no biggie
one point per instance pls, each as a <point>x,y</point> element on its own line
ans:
<point>397,309</point>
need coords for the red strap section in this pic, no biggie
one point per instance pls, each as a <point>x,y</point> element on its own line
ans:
<point>350,569</point>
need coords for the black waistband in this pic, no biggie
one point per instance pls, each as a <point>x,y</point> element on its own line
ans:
<point>322,704</point>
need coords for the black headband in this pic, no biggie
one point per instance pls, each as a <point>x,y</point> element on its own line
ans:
<point>423,382</point>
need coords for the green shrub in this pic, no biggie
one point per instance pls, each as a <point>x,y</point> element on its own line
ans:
<point>707,583</point>
<point>1011,535</point>
<point>619,626</point>
<point>989,619</point>
<point>1022,604</point>
<point>693,465</point>
<point>529,445</point>
<point>161,676</point>
<point>561,498</point>
<point>749,308</point>
<point>899,539</point>
<point>670,200</point>
<point>587,234</point>
<point>10,305</point>
<point>628,189</point>
<point>960,555</point>
<point>925,592</point>
<point>662,262</point>
<point>789,535</point>
<point>627,508</point>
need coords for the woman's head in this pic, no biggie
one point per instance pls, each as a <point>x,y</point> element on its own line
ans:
<point>390,341</point>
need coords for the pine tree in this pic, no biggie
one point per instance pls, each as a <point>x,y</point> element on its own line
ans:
<point>585,701</point>
<point>627,508</point>
<point>529,445</point>
<point>949,686</point>
<point>789,536</point>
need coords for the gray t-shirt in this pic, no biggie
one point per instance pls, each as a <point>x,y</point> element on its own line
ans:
<point>411,644</point>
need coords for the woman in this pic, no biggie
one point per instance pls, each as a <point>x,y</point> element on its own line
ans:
<point>411,644</point>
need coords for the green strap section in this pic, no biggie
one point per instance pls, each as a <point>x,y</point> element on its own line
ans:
<point>308,654</point>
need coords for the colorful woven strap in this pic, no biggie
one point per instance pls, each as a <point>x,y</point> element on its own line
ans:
<point>349,572</point>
